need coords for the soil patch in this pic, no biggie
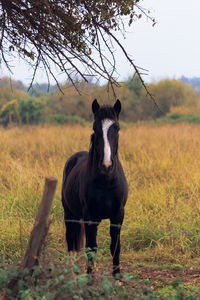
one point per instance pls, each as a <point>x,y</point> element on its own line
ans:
<point>167,275</point>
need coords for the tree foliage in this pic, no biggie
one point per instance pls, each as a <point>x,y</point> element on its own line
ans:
<point>19,107</point>
<point>168,93</point>
<point>67,33</point>
<point>134,84</point>
<point>14,84</point>
<point>23,111</point>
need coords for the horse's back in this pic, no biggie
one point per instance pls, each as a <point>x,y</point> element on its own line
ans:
<point>70,186</point>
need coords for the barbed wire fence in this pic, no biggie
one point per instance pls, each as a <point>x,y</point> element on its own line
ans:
<point>44,211</point>
<point>105,225</point>
<point>21,218</point>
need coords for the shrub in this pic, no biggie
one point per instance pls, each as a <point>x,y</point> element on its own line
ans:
<point>177,117</point>
<point>62,119</point>
<point>56,119</point>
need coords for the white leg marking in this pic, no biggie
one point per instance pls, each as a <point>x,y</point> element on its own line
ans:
<point>106,123</point>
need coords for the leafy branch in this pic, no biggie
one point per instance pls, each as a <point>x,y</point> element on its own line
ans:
<point>64,33</point>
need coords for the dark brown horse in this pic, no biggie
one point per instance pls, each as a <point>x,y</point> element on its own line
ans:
<point>95,187</point>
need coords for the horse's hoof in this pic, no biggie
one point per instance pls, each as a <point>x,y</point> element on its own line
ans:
<point>91,276</point>
<point>116,272</point>
<point>89,270</point>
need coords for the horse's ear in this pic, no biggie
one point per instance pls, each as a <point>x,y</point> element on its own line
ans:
<point>95,106</point>
<point>117,107</point>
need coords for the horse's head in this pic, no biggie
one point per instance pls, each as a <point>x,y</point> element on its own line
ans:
<point>105,136</point>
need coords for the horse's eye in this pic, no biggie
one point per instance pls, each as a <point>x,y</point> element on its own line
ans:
<point>116,126</point>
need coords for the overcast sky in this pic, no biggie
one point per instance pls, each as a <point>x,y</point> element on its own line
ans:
<point>170,49</point>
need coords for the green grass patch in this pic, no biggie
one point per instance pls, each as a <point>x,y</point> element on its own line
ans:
<point>162,215</point>
<point>177,117</point>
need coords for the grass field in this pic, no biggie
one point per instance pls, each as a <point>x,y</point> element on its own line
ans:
<point>162,165</point>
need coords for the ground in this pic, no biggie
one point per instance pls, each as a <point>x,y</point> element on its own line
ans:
<point>166,275</point>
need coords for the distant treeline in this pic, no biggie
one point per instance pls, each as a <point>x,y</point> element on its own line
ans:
<point>194,82</point>
<point>44,104</point>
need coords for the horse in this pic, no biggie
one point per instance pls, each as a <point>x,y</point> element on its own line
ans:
<point>95,187</point>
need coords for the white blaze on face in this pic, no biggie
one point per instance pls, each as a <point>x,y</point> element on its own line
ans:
<point>106,123</point>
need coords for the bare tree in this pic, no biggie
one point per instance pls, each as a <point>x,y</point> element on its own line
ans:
<point>67,33</point>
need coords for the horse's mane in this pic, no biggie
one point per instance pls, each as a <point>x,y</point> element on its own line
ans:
<point>91,141</point>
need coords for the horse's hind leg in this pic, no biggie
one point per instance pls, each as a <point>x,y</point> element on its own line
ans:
<point>115,228</point>
<point>91,244</point>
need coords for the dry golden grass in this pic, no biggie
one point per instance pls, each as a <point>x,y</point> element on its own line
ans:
<point>162,165</point>
<point>185,110</point>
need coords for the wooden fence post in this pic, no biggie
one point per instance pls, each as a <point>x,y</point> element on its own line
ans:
<point>38,234</point>
<point>41,225</point>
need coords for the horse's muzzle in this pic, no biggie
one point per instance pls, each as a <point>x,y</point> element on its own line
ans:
<point>106,168</point>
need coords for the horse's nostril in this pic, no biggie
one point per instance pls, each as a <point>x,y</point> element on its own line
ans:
<point>107,164</point>
<point>106,167</point>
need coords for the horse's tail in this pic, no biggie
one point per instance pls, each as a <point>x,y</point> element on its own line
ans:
<point>78,229</point>
<point>75,233</point>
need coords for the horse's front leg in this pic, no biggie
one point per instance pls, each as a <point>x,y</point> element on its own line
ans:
<point>91,244</point>
<point>115,228</point>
